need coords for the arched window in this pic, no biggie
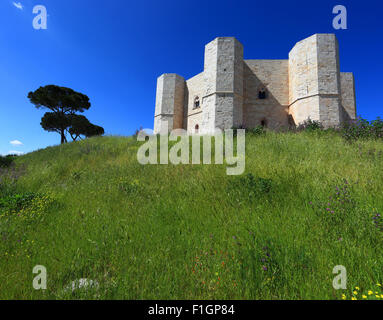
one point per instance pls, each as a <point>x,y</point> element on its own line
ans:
<point>196,103</point>
<point>196,128</point>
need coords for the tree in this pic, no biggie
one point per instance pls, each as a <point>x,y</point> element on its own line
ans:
<point>56,122</point>
<point>80,125</point>
<point>64,103</point>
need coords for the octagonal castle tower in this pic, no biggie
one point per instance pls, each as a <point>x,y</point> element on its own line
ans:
<point>232,92</point>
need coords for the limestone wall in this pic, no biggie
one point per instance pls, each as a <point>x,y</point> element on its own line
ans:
<point>304,109</point>
<point>328,64</point>
<point>314,71</point>
<point>348,95</point>
<point>273,76</point>
<point>303,70</point>
<point>194,120</point>
<point>329,80</point>
<point>169,102</point>
<point>223,77</point>
<point>194,88</point>
<point>303,80</point>
<point>163,123</point>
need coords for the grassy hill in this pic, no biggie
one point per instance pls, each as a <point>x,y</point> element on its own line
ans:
<point>88,209</point>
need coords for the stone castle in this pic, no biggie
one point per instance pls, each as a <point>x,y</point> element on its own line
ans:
<point>235,93</point>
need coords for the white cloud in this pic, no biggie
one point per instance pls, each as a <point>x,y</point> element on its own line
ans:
<point>19,153</point>
<point>18,5</point>
<point>16,143</point>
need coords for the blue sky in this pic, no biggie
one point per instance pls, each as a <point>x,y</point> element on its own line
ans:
<point>113,51</point>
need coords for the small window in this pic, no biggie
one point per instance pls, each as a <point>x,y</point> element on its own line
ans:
<point>196,128</point>
<point>262,94</point>
<point>196,103</point>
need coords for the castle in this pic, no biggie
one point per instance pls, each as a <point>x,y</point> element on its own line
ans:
<point>235,93</point>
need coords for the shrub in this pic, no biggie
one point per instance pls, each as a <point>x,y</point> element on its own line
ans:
<point>6,161</point>
<point>16,202</point>
<point>258,130</point>
<point>377,128</point>
<point>360,128</point>
<point>26,206</point>
<point>137,132</point>
<point>310,125</point>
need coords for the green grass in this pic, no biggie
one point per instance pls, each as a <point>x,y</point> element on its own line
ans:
<point>88,209</point>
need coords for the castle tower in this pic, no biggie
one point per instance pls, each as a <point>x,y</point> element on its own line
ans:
<point>222,104</point>
<point>169,103</point>
<point>232,92</point>
<point>314,80</point>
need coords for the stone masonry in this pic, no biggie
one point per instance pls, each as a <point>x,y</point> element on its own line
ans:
<point>235,93</point>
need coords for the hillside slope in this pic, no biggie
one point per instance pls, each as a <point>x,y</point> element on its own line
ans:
<point>89,210</point>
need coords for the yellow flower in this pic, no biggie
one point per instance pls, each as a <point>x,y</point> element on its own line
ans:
<point>355,292</point>
<point>357,288</point>
<point>378,284</point>
<point>370,292</point>
<point>353,298</point>
<point>377,296</point>
<point>381,296</point>
<point>364,296</point>
<point>343,296</point>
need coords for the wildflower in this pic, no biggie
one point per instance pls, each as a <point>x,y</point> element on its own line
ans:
<point>357,288</point>
<point>264,268</point>
<point>353,298</point>
<point>378,284</point>
<point>364,296</point>
<point>377,296</point>
<point>343,296</point>
<point>370,292</point>
<point>355,292</point>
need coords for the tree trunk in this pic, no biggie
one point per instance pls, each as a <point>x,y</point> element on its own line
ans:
<point>63,140</point>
